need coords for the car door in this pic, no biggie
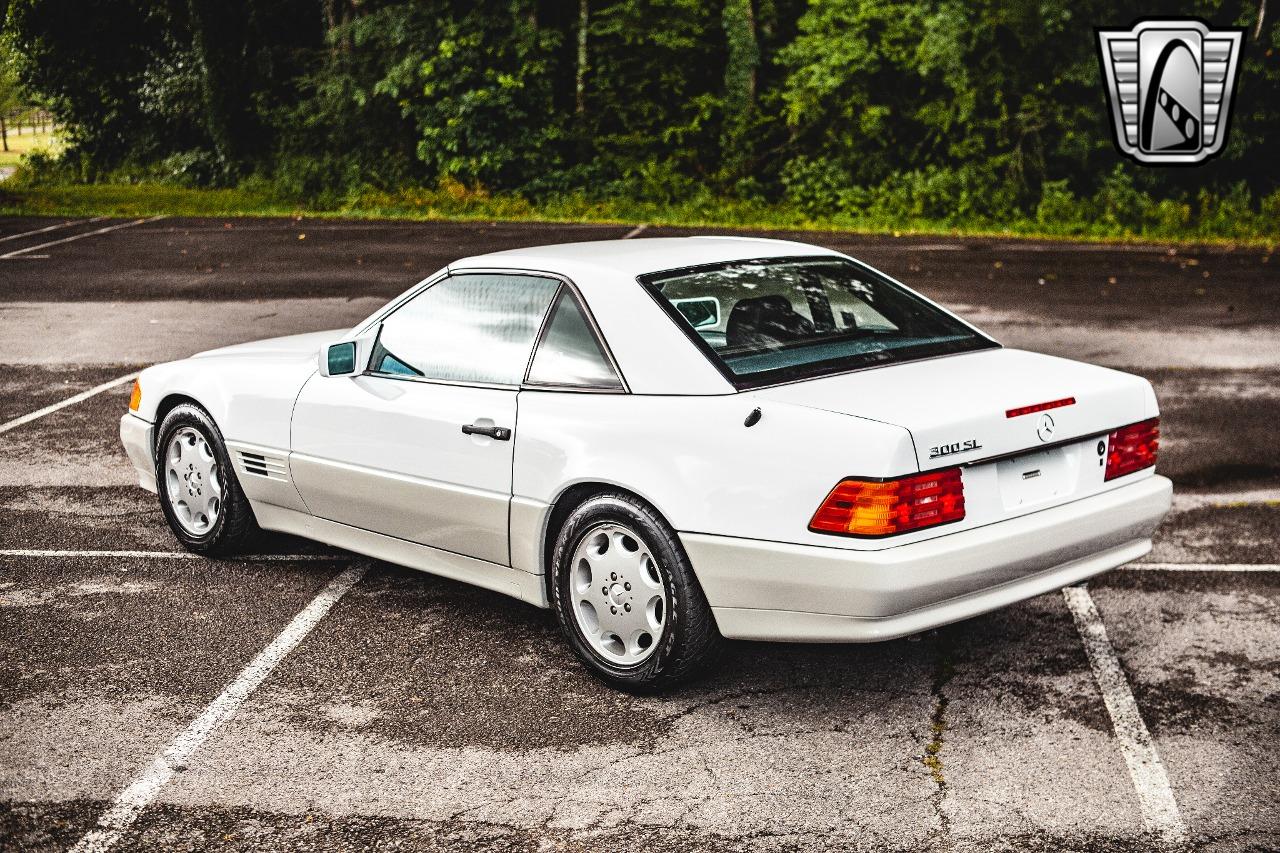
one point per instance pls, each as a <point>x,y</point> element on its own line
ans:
<point>419,445</point>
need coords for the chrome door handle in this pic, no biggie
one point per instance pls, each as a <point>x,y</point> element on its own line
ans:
<point>495,432</point>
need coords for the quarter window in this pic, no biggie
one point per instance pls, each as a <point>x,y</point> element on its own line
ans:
<point>466,328</point>
<point>569,353</point>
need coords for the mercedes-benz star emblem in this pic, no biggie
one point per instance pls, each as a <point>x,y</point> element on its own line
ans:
<point>1045,428</point>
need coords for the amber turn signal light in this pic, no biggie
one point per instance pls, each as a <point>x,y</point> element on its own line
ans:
<point>873,508</point>
<point>135,397</point>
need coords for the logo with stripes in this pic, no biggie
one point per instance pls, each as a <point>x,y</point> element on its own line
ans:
<point>1169,85</point>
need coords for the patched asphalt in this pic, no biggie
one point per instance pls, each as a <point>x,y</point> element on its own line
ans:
<point>1203,655</point>
<point>103,661</point>
<point>423,714</point>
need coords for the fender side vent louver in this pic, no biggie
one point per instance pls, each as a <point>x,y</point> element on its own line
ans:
<point>261,465</point>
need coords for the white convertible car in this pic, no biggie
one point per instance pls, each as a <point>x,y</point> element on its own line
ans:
<point>669,442</point>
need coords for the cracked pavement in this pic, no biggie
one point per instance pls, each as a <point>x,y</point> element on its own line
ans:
<point>422,714</point>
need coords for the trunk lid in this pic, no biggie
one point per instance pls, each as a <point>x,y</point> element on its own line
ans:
<point>955,407</point>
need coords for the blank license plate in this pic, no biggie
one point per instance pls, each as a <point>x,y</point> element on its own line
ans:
<point>1039,477</point>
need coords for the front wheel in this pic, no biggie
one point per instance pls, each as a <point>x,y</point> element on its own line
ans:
<point>627,598</point>
<point>199,494</point>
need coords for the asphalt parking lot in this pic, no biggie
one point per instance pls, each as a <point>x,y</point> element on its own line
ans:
<point>416,713</point>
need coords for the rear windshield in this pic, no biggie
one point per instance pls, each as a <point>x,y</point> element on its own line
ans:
<point>775,320</point>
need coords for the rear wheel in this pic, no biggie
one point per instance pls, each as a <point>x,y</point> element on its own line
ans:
<point>199,494</point>
<point>627,598</point>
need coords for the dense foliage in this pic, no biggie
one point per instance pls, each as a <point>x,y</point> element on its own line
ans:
<point>859,110</point>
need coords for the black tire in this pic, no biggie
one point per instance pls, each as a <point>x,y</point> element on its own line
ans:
<point>690,642</point>
<point>235,526</point>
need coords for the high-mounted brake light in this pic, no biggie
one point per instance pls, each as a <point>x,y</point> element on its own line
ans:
<point>1040,407</point>
<point>871,508</point>
<point>1132,448</point>
<point>135,396</point>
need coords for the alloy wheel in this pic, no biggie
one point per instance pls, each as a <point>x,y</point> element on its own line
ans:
<point>193,483</point>
<point>618,597</point>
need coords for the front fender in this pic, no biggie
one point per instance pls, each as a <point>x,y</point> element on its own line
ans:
<point>251,400</point>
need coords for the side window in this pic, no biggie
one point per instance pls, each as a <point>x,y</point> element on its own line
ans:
<point>569,353</point>
<point>466,328</point>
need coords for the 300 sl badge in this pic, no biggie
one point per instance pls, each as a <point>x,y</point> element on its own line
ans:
<point>958,447</point>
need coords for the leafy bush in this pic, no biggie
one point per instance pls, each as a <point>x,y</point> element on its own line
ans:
<point>819,187</point>
<point>868,113</point>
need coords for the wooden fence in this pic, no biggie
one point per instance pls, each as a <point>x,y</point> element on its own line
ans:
<point>26,121</point>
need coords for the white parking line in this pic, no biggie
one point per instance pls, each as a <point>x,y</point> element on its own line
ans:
<point>70,401</point>
<point>142,791</point>
<point>1203,567</point>
<point>176,555</point>
<point>635,232</point>
<point>21,254</point>
<point>49,228</point>
<point>1155,796</point>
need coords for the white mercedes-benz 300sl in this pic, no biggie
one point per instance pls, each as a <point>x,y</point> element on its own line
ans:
<point>669,442</point>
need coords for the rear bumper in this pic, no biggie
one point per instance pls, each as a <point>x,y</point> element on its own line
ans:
<point>135,435</point>
<point>776,591</point>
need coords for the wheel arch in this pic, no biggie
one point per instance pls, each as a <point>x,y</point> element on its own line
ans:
<point>173,400</point>
<point>570,498</point>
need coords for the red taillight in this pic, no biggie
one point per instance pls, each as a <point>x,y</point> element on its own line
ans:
<point>868,508</point>
<point>1039,407</point>
<point>1132,448</point>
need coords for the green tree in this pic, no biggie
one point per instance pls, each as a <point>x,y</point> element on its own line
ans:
<point>90,61</point>
<point>740,78</point>
<point>12,95</point>
<point>653,97</point>
<point>477,90</point>
<point>985,111</point>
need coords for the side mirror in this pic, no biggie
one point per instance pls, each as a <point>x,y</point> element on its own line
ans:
<point>339,359</point>
<point>348,358</point>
